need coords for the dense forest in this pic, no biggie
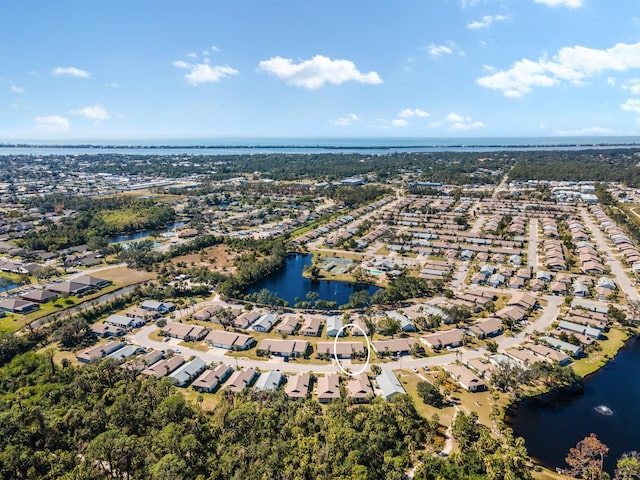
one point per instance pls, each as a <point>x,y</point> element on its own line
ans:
<point>95,220</point>
<point>100,421</point>
<point>615,165</point>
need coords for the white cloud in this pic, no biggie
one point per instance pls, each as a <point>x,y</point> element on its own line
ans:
<point>570,64</point>
<point>438,50</point>
<point>18,90</point>
<point>192,55</point>
<point>346,121</point>
<point>111,85</point>
<point>631,105</point>
<point>416,112</point>
<point>52,121</point>
<point>585,131</point>
<point>70,71</point>
<point>486,21</point>
<point>611,81</point>
<point>460,122</point>
<point>317,71</point>
<point>95,112</point>
<point>205,73</point>
<point>399,122</point>
<point>214,48</point>
<point>561,3</point>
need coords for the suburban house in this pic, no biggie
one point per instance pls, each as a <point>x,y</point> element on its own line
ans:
<point>342,349</point>
<point>140,363</point>
<point>328,387</point>
<point>164,367</point>
<point>126,323</point>
<point>283,348</point>
<point>466,378</point>
<point>523,300</point>
<point>444,339</point>
<point>334,326</point>
<point>104,330</point>
<point>395,346</point>
<point>246,319</point>
<point>359,388</point>
<point>265,323</point>
<point>185,331</point>
<point>126,351</point>
<point>207,313</point>
<point>288,325</point>
<point>16,305</point>
<point>406,325</point>
<point>490,327</point>
<point>92,282</point>
<point>39,296</point>
<point>211,379</point>
<point>581,329</point>
<point>156,306</point>
<point>99,351</point>
<point>524,357</point>
<point>187,372</point>
<point>241,379</point>
<point>68,287</point>
<point>311,327</point>
<point>548,353</point>
<point>483,369</point>
<point>574,350</point>
<point>389,384</point>
<point>269,381</point>
<point>229,340</point>
<point>298,385</point>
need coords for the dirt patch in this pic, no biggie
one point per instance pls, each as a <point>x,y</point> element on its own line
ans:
<point>124,276</point>
<point>218,258</point>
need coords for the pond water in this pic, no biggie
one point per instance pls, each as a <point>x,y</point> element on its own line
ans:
<point>144,234</point>
<point>289,284</point>
<point>608,407</point>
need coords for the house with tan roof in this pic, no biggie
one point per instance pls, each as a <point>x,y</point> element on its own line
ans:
<point>298,385</point>
<point>359,388</point>
<point>444,339</point>
<point>328,387</point>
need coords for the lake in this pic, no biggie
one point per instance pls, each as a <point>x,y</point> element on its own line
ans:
<point>554,423</point>
<point>128,237</point>
<point>288,283</point>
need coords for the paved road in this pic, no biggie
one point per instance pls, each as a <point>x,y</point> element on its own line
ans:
<point>141,337</point>
<point>532,252</point>
<point>617,270</point>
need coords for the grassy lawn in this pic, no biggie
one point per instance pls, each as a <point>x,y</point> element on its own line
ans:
<point>616,338</point>
<point>207,401</point>
<point>200,346</point>
<point>155,336</point>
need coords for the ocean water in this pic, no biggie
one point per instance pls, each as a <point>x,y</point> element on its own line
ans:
<point>378,145</point>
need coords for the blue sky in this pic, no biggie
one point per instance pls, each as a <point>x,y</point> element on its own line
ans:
<point>153,69</point>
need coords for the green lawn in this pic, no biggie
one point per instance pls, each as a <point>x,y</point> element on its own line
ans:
<point>616,338</point>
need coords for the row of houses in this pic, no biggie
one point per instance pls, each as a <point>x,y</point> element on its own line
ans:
<point>29,301</point>
<point>203,378</point>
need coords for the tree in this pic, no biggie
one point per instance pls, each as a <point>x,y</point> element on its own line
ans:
<point>628,467</point>
<point>587,458</point>
<point>492,345</point>
<point>430,394</point>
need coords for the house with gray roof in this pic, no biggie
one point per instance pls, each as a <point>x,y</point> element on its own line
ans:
<point>187,372</point>
<point>334,325</point>
<point>389,384</point>
<point>265,322</point>
<point>268,381</point>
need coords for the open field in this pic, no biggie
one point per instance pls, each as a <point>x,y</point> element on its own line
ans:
<point>218,258</point>
<point>124,276</point>
<point>616,338</point>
